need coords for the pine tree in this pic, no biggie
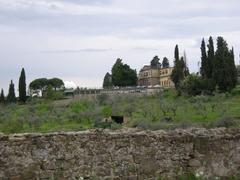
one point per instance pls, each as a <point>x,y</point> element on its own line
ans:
<point>22,87</point>
<point>155,62</point>
<point>204,65</point>
<point>11,98</point>
<point>165,63</point>
<point>2,97</point>
<point>210,58</point>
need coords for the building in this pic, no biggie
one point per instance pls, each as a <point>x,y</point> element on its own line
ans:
<point>155,77</point>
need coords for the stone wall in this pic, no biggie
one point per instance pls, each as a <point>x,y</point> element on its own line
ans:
<point>126,154</point>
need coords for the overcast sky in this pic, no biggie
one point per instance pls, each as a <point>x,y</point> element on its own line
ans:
<point>79,40</point>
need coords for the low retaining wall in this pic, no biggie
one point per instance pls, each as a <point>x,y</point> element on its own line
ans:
<point>126,154</point>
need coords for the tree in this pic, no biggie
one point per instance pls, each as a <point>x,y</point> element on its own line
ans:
<point>22,87</point>
<point>107,82</point>
<point>56,83</point>
<point>39,84</point>
<point>210,58</point>
<point>165,63</point>
<point>123,75</point>
<point>11,98</point>
<point>155,62</point>
<point>204,64</point>
<point>224,72</point>
<point>2,97</point>
<point>178,71</point>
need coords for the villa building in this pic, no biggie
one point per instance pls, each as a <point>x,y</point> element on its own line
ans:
<point>155,77</point>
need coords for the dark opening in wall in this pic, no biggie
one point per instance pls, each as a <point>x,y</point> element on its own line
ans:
<point>118,119</point>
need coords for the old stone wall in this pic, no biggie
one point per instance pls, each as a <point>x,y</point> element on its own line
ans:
<point>126,154</point>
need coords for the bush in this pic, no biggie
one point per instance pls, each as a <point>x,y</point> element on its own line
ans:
<point>236,91</point>
<point>226,122</point>
<point>194,85</point>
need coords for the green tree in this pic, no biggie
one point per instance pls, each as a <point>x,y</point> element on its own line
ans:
<point>224,72</point>
<point>22,87</point>
<point>210,58</point>
<point>39,84</point>
<point>165,63</point>
<point>56,83</point>
<point>123,75</point>
<point>11,98</point>
<point>204,59</point>
<point>178,71</point>
<point>155,62</point>
<point>2,97</point>
<point>107,82</point>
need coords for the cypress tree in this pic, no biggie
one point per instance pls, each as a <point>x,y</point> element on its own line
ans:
<point>22,87</point>
<point>204,64</point>
<point>11,98</point>
<point>210,58</point>
<point>233,68</point>
<point>176,54</point>
<point>107,82</point>
<point>177,73</point>
<point>2,97</point>
<point>224,72</point>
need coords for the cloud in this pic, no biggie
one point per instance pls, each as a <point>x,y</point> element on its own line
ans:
<point>76,51</point>
<point>81,39</point>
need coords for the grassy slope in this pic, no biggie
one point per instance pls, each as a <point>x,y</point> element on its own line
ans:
<point>158,112</point>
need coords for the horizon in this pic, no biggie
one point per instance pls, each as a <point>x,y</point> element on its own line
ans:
<point>80,41</point>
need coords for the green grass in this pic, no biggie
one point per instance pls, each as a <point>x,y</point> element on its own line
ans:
<point>163,111</point>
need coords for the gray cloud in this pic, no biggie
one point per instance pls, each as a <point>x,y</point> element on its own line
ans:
<point>67,38</point>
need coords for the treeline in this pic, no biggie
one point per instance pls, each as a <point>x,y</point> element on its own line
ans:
<point>42,84</point>
<point>11,97</point>
<point>218,71</point>
<point>122,75</point>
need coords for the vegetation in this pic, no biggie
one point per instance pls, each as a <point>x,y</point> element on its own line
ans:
<point>163,111</point>
<point>107,82</point>
<point>180,70</point>
<point>165,63</point>
<point>22,87</point>
<point>155,62</point>
<point>39,84</point>
<point>11,98</point>
<point>122,76</point>
<point>2,97</point>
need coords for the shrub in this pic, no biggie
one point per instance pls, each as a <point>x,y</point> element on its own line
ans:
<point>195,85</point>
<point>102,99</point>
<point>226,122</point>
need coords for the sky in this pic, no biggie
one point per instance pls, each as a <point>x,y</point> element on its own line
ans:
<point>80,40</point>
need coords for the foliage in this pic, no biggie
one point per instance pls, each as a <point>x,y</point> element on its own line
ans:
<point>56,83</point>
<point>22,87</point>
<point>204,59</point>
<point>163,111</point>
<point>107,82</point>
<point>180,70</point>
<point>155,62</point>
<point>165,63</point>
<point>37,84</point>
<point>2,97</point>
<point>53,95</point>
<point>195,85</point>
<point>43,83</point>
<point>224,72</point>
<point>123,75</point>
<point>11,98</point>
